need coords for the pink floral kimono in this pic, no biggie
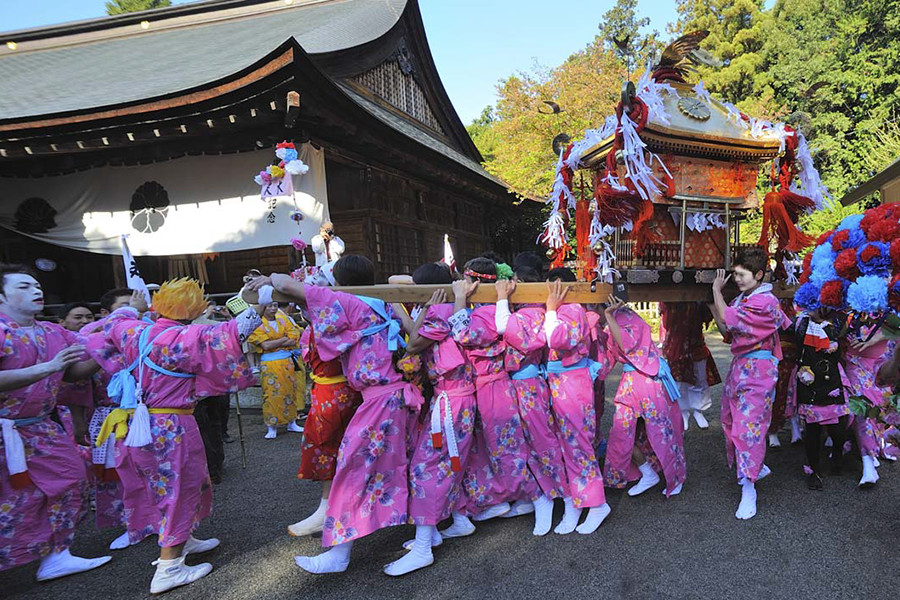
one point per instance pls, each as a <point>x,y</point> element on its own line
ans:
<point>166,486</point>
<point>571,374</point>
<point>525,359</point>
<point>599,354</point>
<point>860,369</point>
<point>442,451</point>
<point>369,490</point>
<point>39,508</point>
<point>108,491</point>
<point>642,395</point>
<point>498,464</point>
<point>752,323</point>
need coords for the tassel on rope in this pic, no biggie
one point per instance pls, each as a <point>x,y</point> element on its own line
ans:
<point>778,223</point>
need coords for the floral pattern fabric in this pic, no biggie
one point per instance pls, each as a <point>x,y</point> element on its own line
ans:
<point>283,388</point>
<point>40,517</point>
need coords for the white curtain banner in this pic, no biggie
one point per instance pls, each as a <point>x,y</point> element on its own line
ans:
<point>190,205</point>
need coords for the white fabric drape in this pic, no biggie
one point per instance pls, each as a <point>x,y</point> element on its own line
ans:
<point>214,205</point>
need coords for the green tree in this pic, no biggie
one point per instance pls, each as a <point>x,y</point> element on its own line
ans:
<point>481,130</point>
<point>623,33</point>
<point>118,7</point>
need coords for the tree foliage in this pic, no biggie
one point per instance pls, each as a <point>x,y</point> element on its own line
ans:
<point>118,7</point>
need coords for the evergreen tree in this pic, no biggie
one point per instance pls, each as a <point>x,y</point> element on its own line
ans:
<point>118,7</point>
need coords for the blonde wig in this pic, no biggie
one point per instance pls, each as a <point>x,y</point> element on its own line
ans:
<point>180,299</point>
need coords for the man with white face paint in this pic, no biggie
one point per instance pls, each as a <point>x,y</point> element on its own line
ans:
<point>42,476</point>
<point>750,325</point>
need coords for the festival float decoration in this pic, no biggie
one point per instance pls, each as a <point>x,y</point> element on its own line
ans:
<point>277,180</point>
<point>674,171</point>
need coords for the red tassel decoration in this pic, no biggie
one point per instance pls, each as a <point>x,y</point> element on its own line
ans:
<point>780,211</point>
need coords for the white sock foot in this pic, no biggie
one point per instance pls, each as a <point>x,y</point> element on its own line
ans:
<point>702,423</point>
<point>195,546</point>
<point>675,491</point>
<point>292,426</point>
<point>796,433</point>
<point>174,573</point>
<point>774,442</point>
<point>876,461</point>
<point>543,516</point>
<point>570,518</point>
<point>271,433</point>
<point>870,475</point>
<point>60,564</point>
<point>420,554</point>
<point>120,543</point>
<point>747,507</point>
<point>594,518</point>
<point>649,478</point>
<point>461,527</point>
<point>686,419</point>
<point>519,508</point>
<point>311,524</point>
<point>436,540</point>
<point>335,560</point>
<point>491,512</point>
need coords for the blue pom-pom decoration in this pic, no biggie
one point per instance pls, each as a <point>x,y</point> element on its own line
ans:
<point>868,294</point>
<point>289,155</point>
<point>880,264</point>
<point>850,222</point>
<point>807,296</point>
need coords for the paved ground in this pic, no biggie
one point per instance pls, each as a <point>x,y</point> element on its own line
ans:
<point>839,543</point>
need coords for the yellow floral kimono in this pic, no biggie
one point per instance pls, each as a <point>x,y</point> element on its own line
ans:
<point>284,389</point>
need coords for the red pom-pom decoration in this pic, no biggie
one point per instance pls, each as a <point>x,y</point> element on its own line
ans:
<point>832,293</point>
<point>824,237</point>
<point>840,239</point>
<point>868,253</point>
<point>807,262</point>
<point>845,264</point>
<point>895,254</point>
<point>885,230</point>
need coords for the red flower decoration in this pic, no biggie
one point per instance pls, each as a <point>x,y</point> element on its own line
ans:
<point>885,230</point>
<point>807,262</point>
<point>895,253</point>
<point>832,293</point>
<point>824,237</point>
<point>868,253</point>
<point>285,145</point>
<point>839,240</point>
<point>845,264</point>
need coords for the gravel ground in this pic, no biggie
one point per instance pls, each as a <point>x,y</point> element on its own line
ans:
<point>832,544</point>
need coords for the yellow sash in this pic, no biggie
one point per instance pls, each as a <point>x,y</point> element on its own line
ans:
<point>117,421</point>
<point>328,380</point>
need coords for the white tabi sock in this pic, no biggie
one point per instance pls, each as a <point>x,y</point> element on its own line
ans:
<point>747,508</point>
<point>870,475</point>
<point>195,546</point>
<point>491,512</point>
<point>796,432</point>
<point>763,473</point>
<point>675,490</point>
<point>649,478</point>
<point>335,560</point>
<point>702,423</point>
<point>271,433</point>
<point>418,557</point>
<point>519,508</point>
<point>594,518</point>
<point>120,543</point>
<point>311,524</point>
<point>461,527</point>
<point>174,573</point>
<point>686,419</point>
<point>543,515</point>
<point>292,426</point>
<point>436,540</point>
<point>570,518</point>
<point>60,564</point>
<point>774,442</point>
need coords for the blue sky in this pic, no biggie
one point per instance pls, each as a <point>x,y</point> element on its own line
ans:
<point>475,43</point>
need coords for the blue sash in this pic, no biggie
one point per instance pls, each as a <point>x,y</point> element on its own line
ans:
<point>764,354</point>
<point>664,376</point>
<point>393,327</point>
<point>530,372</point>
<point>122,386</point>
<point>275,355</point>
<point>556,367</point>
<point>26,421</point>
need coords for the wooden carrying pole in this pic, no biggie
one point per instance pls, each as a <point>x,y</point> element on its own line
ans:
<point>531,293</point>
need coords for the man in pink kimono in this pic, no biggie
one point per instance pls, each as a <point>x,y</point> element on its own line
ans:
<point>442,450</point>
<point>526,357</point>
<point>751,326</point>
<point>42,476</point>
<point>168,365</point>
<point>369,490</point>
<point>498,470</point>
<point>571,374</point>
<point>647,417</point>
